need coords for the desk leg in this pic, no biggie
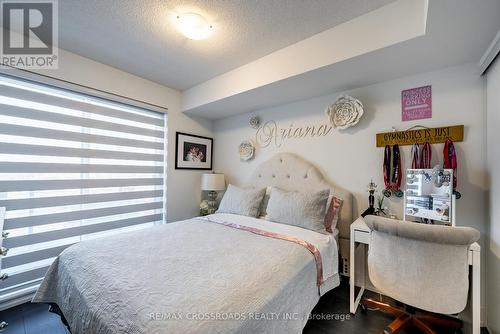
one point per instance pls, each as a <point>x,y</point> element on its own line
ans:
<point>352,270</point>
<point>476,292</point>
<point>354,299</point>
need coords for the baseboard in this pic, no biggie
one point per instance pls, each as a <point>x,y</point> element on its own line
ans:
<point>18,298</point>
<point>17,301</point>
<point>344,256</point>
<point>484,320</point>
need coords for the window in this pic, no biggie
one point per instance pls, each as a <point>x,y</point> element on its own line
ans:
<point>72,167</point>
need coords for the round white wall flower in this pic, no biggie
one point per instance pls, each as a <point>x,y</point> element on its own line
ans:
<point>254,122</point>
<point>345,112</point>
<point>246,150</point>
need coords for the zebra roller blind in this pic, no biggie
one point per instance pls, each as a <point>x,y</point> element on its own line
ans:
<point>72,167</point>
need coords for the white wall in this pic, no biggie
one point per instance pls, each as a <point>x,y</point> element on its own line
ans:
<point>493,249</point>
<point>350,157</point>
<point>183,187</point>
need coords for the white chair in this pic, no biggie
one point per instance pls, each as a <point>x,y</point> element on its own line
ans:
<point>422,266</point>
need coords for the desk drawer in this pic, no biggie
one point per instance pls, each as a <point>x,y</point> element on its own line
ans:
<point>362,237</point>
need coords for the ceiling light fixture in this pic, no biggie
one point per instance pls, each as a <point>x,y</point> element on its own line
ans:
<point>194,26</point>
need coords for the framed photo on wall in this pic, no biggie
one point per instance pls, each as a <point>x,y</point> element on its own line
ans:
<point>193,152</point>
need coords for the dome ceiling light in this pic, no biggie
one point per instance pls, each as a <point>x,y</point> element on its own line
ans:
<point>194,26</point>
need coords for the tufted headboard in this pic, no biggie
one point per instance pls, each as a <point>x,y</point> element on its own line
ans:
<point>290,172</point>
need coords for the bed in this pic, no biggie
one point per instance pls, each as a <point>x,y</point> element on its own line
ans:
<point>222,273</point>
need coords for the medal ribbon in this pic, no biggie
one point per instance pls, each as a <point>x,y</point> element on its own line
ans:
<point>396,168</point>
<point>425,157</point>
<point>387,167</point>
<point>415,156</point>
<point>450,160</point>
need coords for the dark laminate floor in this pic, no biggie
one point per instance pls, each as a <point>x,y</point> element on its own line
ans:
<point>35,318</point>
<point>32,319</point>
<point>337,302</point>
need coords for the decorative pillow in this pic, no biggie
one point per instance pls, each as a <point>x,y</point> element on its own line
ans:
<point>303,209</point>
<point>241,201</point>
<point>332,213</point>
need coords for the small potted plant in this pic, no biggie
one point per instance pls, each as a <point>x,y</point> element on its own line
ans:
<point>381,210</point>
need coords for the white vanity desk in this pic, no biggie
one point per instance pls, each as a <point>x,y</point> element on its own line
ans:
<point>360,237</point>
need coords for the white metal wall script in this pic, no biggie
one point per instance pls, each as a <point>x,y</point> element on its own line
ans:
<point>269,133</point>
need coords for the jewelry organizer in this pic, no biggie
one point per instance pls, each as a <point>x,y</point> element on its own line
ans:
<point>429,196</point>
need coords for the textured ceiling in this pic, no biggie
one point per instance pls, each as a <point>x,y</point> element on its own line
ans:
<point>138,36</point>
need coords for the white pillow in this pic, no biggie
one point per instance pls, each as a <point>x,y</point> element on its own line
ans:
<point>303,209</point>
<point>241,201</point>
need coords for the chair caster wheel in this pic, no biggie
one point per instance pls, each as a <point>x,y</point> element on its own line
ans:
<point>364,309</point>
<point>3,326</point>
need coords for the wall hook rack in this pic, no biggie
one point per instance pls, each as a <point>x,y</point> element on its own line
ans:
<point>421,135</point>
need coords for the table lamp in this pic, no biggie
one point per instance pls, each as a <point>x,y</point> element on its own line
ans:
<point>212,183</point>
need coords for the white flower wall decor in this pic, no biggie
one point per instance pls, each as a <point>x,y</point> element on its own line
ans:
<point>345,112</point>
<point>246,150</point>
<point>254,122</point>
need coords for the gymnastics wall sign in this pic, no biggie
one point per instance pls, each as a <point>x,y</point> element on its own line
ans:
<point>416,103</point>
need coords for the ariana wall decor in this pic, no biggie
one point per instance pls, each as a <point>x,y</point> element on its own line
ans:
<point>345,112</point>
<point>270,133</point>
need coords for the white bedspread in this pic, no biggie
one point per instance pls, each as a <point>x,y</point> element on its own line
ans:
<point>191,276</point>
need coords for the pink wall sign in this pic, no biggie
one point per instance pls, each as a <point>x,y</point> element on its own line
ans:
<point>416,103</point>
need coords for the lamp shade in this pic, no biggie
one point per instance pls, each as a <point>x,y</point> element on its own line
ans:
<point>213,182</point>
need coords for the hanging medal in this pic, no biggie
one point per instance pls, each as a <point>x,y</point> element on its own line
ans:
<point>392,171</point>
<point>396,171</point>
<point>425,156</point>
<point>415,156</point>
<point>387,171</point>
<point>450,162</point>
